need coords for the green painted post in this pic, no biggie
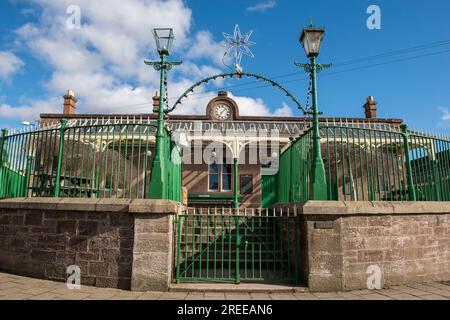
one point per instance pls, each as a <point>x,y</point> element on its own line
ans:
<point>60,157</point>
<point>319,184</point>
<point>27,175</point>
<point>236,184</point>
<point>238,245</point>
<point>411,188</point>
<point>3,159</point>
<point>178,221</point>
<point>158,179</point>
<point>437,179</point>
<point>291,171</point>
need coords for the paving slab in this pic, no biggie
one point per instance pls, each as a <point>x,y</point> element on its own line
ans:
<point>324,295</point>
<point>237,296</point>
<point>350,296</point>
<point>305,296</point>
<point>405,296</point>
<point>22,288</point>
<point>283,296</point>
<point>173,296</point>
<point>260,296</point>
<point>195,296</point>
<point>434,297</point>
<point>230,287</point>
<point>376,296</point>
<point>150,296</point>
<point>45,296</point>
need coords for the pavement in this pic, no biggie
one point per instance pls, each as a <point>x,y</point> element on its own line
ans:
<point>14,287</point>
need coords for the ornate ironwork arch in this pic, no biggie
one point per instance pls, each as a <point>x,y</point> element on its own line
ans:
<point>237,75</point>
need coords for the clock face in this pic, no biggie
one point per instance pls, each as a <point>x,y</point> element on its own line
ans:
<point>222,112</point>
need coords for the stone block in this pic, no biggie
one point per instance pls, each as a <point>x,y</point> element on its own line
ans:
<point>151,242</point>
<point>11,203</point>
<point>371,256</point>
<point>324,207</point>
<point>151,271</point>
<point>43,256</point>
<point>78,243</point>
<point>325,282</point>
<point>40,203</point>
<point>324,243</point>
<point>87,228</point>
<point>68,226</point>
<point>77,204</point>
<point>154,206</point>
<point>121,219</point>
<point>33,218</point>
<point>113,205</point>
<point>99,269</point>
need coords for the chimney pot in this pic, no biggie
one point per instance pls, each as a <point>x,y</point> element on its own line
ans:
<point>156,102</point>
<point>70,103</point>
<point>370,108</point>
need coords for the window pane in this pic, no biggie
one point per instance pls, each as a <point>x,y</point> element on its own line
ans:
<point>226,182</point>
<point>226,168</point>
<point>214,168</point>
<point>213,182</point>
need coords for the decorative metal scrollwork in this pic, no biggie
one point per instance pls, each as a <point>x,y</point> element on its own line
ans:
<point>237,75</point>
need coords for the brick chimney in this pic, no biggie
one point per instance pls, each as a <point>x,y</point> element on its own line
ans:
<point>370,108</point>
<point>70,103</point>
<point>156,102</point>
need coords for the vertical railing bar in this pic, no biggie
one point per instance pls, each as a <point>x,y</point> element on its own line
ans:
<point>139,173</point>
<point>60,155</point>
<point>361,170</point>
<point>105,169</point>
<point>125,159</point>
<point>445,153</point>
<point>416,174</point>
<point>179,220</point>
<point>82,173</point>
<point>43,161</point>
<point>355,166</point>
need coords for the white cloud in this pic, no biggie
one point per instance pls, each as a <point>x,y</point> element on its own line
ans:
<point>29,111</point>
<point>103,61</point>
<point>9,64</point>
<point>206,47</point>
<point>263,6</point>
<point>256,107</point>
<point>445,116</point>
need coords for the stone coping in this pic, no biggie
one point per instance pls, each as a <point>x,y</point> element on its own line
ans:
<point>369,208</point>
<point>138,206</point>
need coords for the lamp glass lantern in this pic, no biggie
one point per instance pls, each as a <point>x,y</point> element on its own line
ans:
<point>164,40</point>
<point>311,39</point>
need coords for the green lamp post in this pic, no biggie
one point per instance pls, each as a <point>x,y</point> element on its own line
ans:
<point>311,39</point>
<point>158,187</point>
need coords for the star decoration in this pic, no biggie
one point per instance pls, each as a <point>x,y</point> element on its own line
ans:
<point>238,44</point>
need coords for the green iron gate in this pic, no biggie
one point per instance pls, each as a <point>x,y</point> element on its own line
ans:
<point>229,245</point>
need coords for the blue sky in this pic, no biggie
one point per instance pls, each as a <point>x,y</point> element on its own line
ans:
<point>40,58</point>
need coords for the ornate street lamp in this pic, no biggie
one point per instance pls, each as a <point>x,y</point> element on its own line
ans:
<point>164,40</point>
<point>311,39</point>
<point>158,187</point>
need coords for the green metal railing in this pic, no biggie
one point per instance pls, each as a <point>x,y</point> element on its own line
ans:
<point>292,182</point>
<point>105,159</point>
<point>430,166</point>
<point>362,163</point>
<point>229,245</point>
